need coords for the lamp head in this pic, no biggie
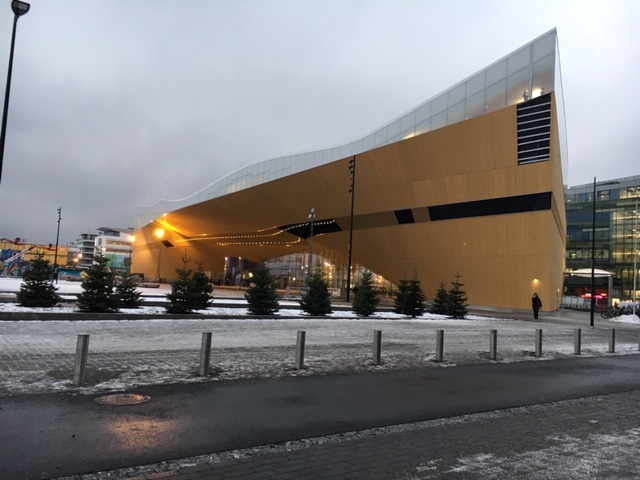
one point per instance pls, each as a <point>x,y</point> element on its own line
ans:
<point>19,8</point>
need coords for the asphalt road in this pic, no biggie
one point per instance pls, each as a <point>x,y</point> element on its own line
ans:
<point>45,436</point>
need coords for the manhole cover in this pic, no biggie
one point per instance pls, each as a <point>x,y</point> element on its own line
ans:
<point>122,399</point>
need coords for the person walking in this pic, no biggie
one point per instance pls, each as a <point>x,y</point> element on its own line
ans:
<point>536,304</point>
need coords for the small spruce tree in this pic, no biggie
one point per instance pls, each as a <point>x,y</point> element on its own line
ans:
<point>416,298</point>
<point>365,301</point>
<point>401,297</point>
<point>202,288</point>
<point>36,289</point>
<point>97,288</point>
<point>440,302</point>
<point>127,291</point>
<point>261,295</point>
<point>317,299</point>
<point>457,299</point>
<point>181,298</point>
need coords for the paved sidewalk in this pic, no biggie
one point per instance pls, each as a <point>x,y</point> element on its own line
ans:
<point>591,438</point>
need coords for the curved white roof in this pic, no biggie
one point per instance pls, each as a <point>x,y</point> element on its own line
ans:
<point>527,72</point>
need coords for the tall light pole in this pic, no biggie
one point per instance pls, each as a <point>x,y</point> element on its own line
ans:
<point>312,217</point>
<point>352,190</point>
<point>159,233</point>
<point>55,256</point>
<point>19,9</point>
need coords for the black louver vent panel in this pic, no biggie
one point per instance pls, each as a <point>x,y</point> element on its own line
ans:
<point>534,130</point>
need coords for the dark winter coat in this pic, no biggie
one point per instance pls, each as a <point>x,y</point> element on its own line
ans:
<point>536,303</point>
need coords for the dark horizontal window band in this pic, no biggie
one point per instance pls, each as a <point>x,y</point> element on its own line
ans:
<point>494,206</point>
<point>404,216</point>
<point>478,208</point>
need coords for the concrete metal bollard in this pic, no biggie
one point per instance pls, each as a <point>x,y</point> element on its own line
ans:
<point>82,351</point>
<point>493,344</point>
<point>439,345</point>
<point>577,341</point>
<point>612,340</point>
<point>300,350</point>
<point>205,354</point>
<point>377,346</point>
<point>538,342</point>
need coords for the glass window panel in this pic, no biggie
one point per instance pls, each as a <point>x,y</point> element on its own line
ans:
<point>517,84</point>
<point>393,139</point>
<point>356,147</point>
<point>393,129</point>
<point>408,121</point>
<point>423,127</point>
<point>408,133</point>
<point>367,143</point>
<point>439,121</point>
<point>336,153</point>
<point>497,72</point>
<point>423,113</point>
<point>518,60</point>
<point>457,94</point>
<point>346,151</point>
<point>545,46</point>
<point>543,74</point>
<point>475,105</point>
<point>496,96</point>
<point>326,156</point>
<point>380,136</point>
<point>439,104</point>
<point>476,84</point>
<point>317,158</point>
<point>456,113</point>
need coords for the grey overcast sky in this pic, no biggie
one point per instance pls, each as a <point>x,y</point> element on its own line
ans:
<point>118,103</point>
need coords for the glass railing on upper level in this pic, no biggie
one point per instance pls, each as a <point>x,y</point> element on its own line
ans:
<point>528,72</point>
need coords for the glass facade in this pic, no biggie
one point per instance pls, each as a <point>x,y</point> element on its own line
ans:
<point>527,73</point>
<point>617,239</point>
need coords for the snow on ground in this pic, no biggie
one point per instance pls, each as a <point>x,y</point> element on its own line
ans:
<point>39,356</point>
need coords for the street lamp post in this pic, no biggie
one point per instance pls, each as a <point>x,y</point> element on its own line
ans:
<point>19,9</point>
<point>312,217</point>
<point>352,191</point>
<point>159,233</point>
<point>55,255</point>
<point>132,239</point>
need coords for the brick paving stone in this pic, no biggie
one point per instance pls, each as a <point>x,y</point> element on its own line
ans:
<point>432,451</point>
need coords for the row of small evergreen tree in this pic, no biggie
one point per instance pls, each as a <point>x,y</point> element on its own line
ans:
<point>102,291</point>
<point>409,300</point>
